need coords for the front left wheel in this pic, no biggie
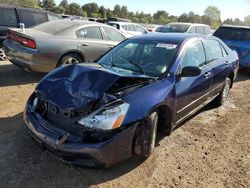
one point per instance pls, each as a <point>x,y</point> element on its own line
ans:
<point>145,138</point>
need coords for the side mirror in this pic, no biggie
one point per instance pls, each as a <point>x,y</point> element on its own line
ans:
<point>190,71</point>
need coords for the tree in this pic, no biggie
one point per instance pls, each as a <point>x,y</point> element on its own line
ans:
<point>22,3</point>
<point>58,9</point>
<point>117,11</point>
<point>247,20</point>
<point>48,4</point>
<point>214,14</point>
<point>65,5</point>
<point>124,12</point>
<point>161,17</point>
<point>75,9</point>
<point>91,9</point>
<point>102,12</point>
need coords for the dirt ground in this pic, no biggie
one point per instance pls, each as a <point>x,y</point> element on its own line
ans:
<point>212,149</point>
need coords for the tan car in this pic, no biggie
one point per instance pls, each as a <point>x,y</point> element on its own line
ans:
<point>51,44</point>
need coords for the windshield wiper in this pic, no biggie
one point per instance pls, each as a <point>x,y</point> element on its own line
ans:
<point>136,65</point>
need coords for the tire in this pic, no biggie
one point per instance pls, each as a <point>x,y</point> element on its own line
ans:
<point>2,55</point>
<point>70,58</point>
<point>221,99</point>
<point>146,136</point>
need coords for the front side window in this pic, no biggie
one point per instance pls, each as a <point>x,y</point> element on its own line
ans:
<point>150,58</point>
<point>193,55</point>
<point>213,50</point>
<point>90,33</point>
<point>113,35</point>
<point>31,18</point>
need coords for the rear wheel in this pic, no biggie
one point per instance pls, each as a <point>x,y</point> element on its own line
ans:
<point>71,58</point>
<point>146,136</point>
<point>221,99</point>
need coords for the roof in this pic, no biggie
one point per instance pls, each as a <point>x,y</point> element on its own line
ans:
<point>122,23</point>
<point>235,26</point>
<point>169,37</point>
<point>186,23</point>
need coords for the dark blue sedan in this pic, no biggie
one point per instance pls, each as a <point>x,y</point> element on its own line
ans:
<point>100,114</point>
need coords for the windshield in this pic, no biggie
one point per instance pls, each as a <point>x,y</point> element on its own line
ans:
<point>151,58</point>
<point>173,28</point>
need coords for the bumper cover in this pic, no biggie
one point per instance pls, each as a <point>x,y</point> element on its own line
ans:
<point>107,153</point>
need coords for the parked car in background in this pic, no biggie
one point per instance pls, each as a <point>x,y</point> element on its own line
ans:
<point>11,16</point>
<point>129,29</point>
<point>51,44</point>
<point>180,27</point>
<point>100,114</point>
<point>238,39</point>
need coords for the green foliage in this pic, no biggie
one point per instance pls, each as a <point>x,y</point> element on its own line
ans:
<point>48,4</point>
<point>213,13</point>
<point>22,3</point>
<point>75,9</point>
<point>211,16</point>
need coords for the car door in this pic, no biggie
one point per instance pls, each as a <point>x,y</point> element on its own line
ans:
<point>91,43</point>
<point>218,61</point>
<point>112,36</point>
<point>192,92</point>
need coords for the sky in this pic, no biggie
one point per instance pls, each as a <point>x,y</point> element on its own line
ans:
<point>229,8</point>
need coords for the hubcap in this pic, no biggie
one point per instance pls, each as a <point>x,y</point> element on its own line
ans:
<point>70,60</point>
<point>225,92</point>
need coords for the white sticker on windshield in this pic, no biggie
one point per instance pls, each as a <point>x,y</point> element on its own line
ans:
<point>166,45</point>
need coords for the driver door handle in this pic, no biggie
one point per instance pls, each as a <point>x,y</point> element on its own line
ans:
<point>207,74</point>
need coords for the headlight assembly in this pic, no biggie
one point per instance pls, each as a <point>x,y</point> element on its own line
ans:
<point>107,118</point>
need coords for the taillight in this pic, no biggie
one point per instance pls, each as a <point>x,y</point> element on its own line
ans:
<point>22,40</point>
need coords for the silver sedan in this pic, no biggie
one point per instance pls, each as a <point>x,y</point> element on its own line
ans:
<point>51,44</point>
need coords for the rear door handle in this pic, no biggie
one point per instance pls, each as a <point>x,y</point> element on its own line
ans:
<point>84,45</point>
<point>207,74</point>
<point>227,62</point>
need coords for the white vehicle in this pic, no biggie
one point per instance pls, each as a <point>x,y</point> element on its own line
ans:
<point>180,27</point>
<point>129,29</point>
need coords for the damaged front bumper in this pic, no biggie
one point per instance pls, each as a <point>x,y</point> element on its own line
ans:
<point>70,149</point>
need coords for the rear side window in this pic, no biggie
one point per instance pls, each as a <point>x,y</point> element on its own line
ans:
<point>213,50</point>
<point>90,33</point>
<point>207,30</point>
<point>8,17</point>
<point>231,33</point>
<point>193,55</point>
<point>199,29</point>
<point>112,34</point>
<point>131,27</point>
<point>31,17</point>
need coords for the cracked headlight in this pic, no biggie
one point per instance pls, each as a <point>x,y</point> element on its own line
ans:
<point>107,118</point>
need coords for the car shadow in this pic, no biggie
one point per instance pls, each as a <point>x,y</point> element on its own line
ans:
<point>11,75</point>
<point>30,164</point>
<point>242,76</point>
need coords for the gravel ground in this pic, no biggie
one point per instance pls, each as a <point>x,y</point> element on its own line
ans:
<point>211,149</point>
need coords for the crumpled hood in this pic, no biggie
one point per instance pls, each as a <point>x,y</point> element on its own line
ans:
<point>75,86</point>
